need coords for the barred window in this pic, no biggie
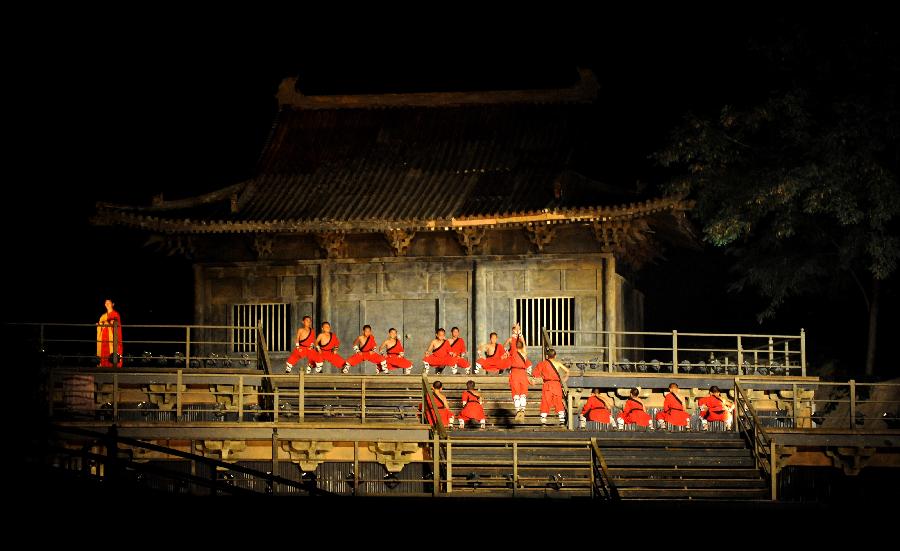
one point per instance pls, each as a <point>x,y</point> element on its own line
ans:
<point>552,313</point>
<point>276,325</point>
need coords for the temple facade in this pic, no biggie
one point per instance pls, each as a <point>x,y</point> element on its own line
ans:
<point>418,211</point>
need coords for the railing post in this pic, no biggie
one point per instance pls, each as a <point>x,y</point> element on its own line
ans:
<point>178,406</point>
<point>571,412</point>
<point>112,455</point>
<point>240,398</point>
<point>609,354</point>
<point>449,467</point>
<point>50,385</point>
<point>275,406</point>
<point>436,464</point>
<point>187,346</point>
<point>740,352</point>
<point>771,351</point>
<point>355,467</point>
<point>674,352</point>
<point>794,388</point>
<point>803,352</point>
<point>853,404</point>
<point>41,338</point>
<point>773,470</point>
<point>301,397</point>
<point>515,467</point>
<point>116,397</point>
<point>362,401</point>
<point>274,458</point>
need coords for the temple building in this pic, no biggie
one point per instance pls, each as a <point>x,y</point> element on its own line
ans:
<point>417,211</point>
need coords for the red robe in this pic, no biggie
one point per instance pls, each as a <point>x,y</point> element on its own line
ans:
<point>595,410</point>
<point>518,377</point>
<point>108,322</point>
<point>551,391</point>
<point>366,353</point>
<point>633,412</point>
<point>673,412</point>
<point>471,407</point>
<point>513,347</point>
<point>715,408</point>
<point>392,355</point>
<point>495,362</point>
<point>304,350</point>
<point>458,347</point>
<point>440,356</point>
<point>442,409</point>
<point>327,353</point>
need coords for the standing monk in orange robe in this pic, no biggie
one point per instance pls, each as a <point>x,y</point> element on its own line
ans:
<point>673,414</point>
<point>518,379</point>
<point>551,390</point>
<point>109,337</point>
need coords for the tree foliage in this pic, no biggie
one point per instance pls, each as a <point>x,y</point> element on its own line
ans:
<point>802,185</point>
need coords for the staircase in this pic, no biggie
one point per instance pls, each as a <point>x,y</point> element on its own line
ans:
<point>675,466</point>
<point>521,464</point>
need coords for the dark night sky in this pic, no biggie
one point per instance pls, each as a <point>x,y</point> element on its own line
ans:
<point>122,115</point>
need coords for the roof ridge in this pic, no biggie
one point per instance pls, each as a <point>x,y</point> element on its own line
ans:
<point>584,91</point>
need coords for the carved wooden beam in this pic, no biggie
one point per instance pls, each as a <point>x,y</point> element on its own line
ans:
<point>399,240</point>
<point>263,245</point>
<point>333,244</point>
<point>540,235</point>
<point>470,239</point>
<point>628,239</point>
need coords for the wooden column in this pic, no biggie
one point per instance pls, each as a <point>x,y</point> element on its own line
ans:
<point>479,301</point>
<point>324,293</point>
<point>612,301</point>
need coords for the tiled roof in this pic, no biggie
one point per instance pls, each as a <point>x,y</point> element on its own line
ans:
<point>361,169</point>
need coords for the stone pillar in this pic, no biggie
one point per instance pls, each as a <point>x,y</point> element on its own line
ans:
<point>324,292</point>
<point>479,302</point>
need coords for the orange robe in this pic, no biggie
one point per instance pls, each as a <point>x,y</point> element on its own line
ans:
<point>673,412</point>
<point>443,410</point>
<point>458,347</point>
<point>440,356</point>
<point>394,360</point>
<point>108,322</point>
<point>715,408</point>
<point>518,377</point>
<point>327,353</point>
<point>595,410</point>
<point>496,361</point>
<point>551,391</point>
<point>366,353</point>
<point>472,408</point>
<point>633,412</point>
<point>304,350</point>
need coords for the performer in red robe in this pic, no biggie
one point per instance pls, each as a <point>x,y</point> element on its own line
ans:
<point>595,410</point>
<point>458,352</point>
<point>472,408</point>
<point>551,390</point>
<point>495,357</point>
<point>518,379</point>
<point>633,412</point>
<point>393,356</point>
<point>109,337</point>
<point>327,344</point>
<point>304,348</point>
<point>442,404</point>
<point>438,353</point>
<point>713,408</point>
<point>673,414</point>
<point>365,346</point>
